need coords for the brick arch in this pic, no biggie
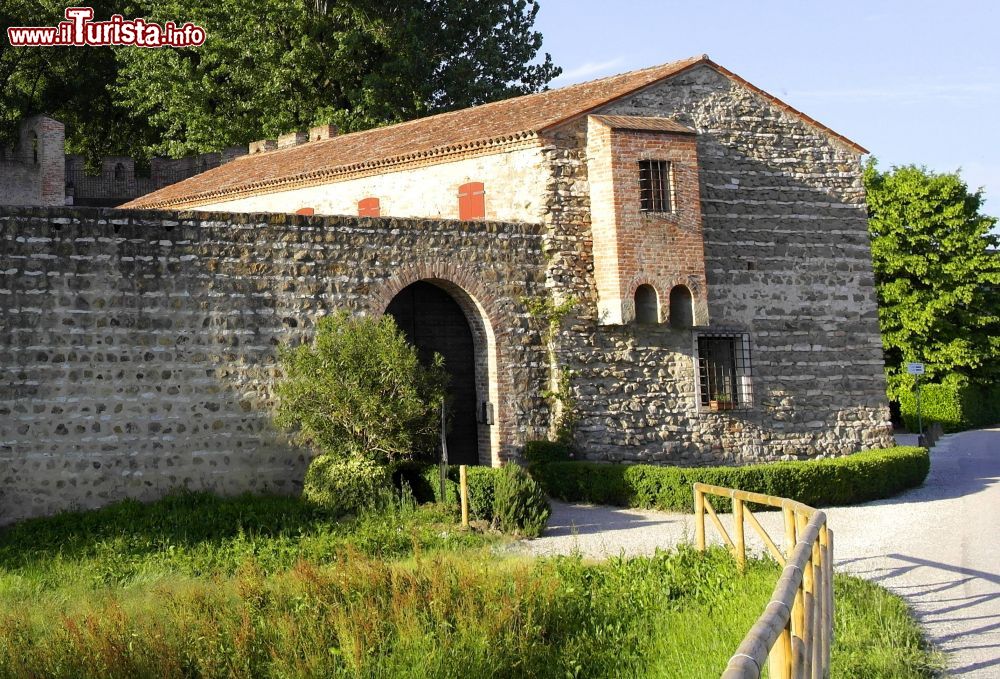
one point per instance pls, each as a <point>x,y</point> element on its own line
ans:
<point>633,287</point>
<point>490,325</point>
<point>694,283</point>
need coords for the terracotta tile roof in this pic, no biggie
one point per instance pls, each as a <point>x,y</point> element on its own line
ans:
<point>644,123</point>
<point>501,122</point>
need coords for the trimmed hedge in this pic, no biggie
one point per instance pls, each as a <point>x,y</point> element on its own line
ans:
<point>864,476</point>
<point>956,405</point>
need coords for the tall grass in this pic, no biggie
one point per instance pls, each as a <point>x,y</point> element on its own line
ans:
<point>202,535</point>
<point>197,586</point>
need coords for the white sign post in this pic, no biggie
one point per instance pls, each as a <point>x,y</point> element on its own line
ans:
<point>917,369</point>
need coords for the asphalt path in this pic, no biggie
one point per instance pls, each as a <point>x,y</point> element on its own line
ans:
<point>938,546</point>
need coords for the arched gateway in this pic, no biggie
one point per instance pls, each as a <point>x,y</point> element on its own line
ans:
<point>438,316</point>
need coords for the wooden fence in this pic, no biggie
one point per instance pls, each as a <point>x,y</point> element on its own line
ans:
<point>793,634</point>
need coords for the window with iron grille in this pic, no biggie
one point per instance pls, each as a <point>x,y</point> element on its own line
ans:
<point>656,191</point>
<point>724,373</point>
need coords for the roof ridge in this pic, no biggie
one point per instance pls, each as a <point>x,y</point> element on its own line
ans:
<point>488,104</point>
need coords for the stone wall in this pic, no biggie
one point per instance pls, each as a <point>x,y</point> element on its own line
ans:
<point>514,186</point>
<point>787,261</point>
<point>137,349</point>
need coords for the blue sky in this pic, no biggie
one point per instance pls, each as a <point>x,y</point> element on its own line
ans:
<point>913,82</point>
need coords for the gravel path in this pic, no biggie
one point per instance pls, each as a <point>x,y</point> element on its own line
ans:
<point>937,545</point>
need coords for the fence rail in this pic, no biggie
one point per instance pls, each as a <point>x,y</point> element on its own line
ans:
<point>794,633</point>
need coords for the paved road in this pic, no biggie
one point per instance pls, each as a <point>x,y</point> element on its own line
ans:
<point>937,545</point>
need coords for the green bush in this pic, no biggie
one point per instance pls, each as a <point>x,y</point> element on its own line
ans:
<point>864,476</point>
<point>954,403</point>
<point>515,508</point>
<point>543,452</point>
<point>346,486</point>
<point>519,504</point>
<point>482,489</point>
<point>360,391</point>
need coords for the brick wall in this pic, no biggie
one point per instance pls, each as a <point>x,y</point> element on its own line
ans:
<point>137,349</point>
<point>632,247</point>
<point>32,173</point>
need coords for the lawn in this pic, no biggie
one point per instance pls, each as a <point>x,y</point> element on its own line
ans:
<point>197,586</point>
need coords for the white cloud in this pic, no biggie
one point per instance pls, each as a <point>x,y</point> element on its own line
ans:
<point>915,92</point>
<point>588,69</point>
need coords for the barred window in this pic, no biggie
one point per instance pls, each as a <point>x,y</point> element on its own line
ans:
<point>724,371</point>
<point>656,191</point>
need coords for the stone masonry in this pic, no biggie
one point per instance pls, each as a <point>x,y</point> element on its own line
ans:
<point>787,261</point>
<point>137,349</point>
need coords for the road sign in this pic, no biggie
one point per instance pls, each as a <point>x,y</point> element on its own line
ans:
<point>915,368</point>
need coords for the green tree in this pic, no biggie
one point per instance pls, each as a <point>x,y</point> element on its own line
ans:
<point>72,85</point>
<point>935,273</point>
<point>268,67</point>
<point>360,392</point>
<point>272,66</point>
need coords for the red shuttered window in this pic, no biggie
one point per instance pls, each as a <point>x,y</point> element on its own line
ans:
<point>369,207</point>
<point>471,201</point>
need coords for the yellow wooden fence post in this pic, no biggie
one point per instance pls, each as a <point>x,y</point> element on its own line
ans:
<point>741,543</point>
<point>463,480</point>
<point>699,519</point>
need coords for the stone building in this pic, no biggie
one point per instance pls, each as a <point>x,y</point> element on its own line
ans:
<point>709,242</point>
<point>714,237</point>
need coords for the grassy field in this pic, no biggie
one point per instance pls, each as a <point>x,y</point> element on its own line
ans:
<point>265,587</point>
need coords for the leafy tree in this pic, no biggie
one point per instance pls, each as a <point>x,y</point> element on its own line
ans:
<point>936,276</point>
<point>272,66</point>
<point>72,85</point>
<point>360,392</point>
<point>268,67</point>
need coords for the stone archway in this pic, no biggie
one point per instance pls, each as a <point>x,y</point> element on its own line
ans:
<point>434,322</point>
<point>418,302</point>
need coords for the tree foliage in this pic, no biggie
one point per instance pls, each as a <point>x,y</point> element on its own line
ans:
<point>360,391</point>
<point>936,274</point>
<point>72,85</point>
<point>272,66</point>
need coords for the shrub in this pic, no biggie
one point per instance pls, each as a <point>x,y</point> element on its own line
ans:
<point>482,483</point>
<point>360,391</point>
<point>349,485</point>
<point>519,504</point>
<point>543,452</point>
<point>864,476</point>
<point>954,403</point>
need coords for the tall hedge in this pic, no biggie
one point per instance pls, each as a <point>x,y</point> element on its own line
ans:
<point>864,476</point>
<point>955,404</point>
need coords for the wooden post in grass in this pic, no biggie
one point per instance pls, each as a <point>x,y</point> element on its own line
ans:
<point>699,518</point>
<point>463,480</point>
<point>741,543</point>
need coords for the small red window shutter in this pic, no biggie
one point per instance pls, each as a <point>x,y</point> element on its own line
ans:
<point>307,211</point>
<point>369,207</point>
<point>471,201</point>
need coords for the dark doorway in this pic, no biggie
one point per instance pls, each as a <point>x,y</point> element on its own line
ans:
<point>434,322</point>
